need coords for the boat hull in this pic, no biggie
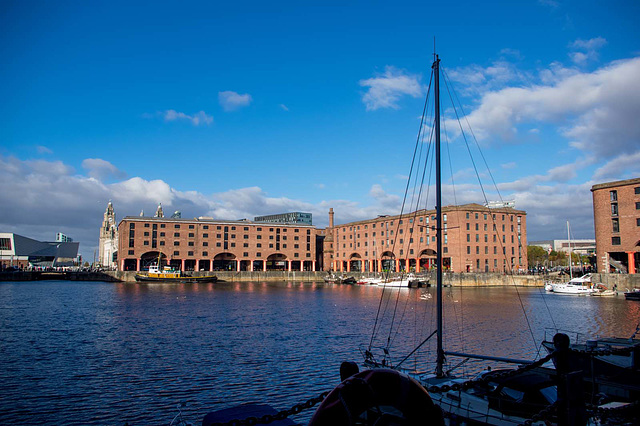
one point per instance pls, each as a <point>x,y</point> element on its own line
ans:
<point>632,295</point>
<point>205,279</point>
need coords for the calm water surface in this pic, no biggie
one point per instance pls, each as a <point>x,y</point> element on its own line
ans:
<point>103,353</point>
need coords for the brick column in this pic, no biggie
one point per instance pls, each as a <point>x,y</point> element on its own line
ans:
<point>632,262</point>
<point>397,265</point>
<point>349,265</point>
<point>264,265</point>
<point>211,264</point>
<point>380,266</point>
<point>182,267</point>
<point>237,265</point>
<point>122,265</point>
<point>417,265</point>
<point>313,265</point>
<point>137,264</point>
<point>407,263</point>
<point>250,269</point>
<point>289,265</point>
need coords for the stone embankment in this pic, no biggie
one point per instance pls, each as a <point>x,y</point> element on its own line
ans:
<point>621,282</point>
<point>450,279</point>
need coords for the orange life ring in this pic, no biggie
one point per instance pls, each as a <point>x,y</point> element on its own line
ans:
<point>379,396</point>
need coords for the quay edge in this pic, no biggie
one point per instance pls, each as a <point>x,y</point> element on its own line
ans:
<point>454,280</point>
<point>622,282</point>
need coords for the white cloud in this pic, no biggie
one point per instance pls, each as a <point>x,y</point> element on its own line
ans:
<point>476,79</point>
<point>622,167</point>
<point>41,198</point>
<point>231,101</point>
<point>591,44</point>
<point>586,50</point>
<point>197,119</point>
<point>598,111</point>
<point>384,199</point>
<point>386,90</point>
<point>43,150</point>
<point>101,169</point>
<point>284,107</point>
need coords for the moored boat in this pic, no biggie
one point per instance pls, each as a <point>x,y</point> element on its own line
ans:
<point>580,286</point>
<point>343,279</point>
<point>632,295</point>
<point>168,274</point>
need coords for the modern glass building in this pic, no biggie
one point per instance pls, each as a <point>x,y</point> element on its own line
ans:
<point>294,217</point>
<point>23,252</point>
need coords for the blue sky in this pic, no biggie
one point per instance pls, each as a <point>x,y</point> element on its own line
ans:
<point>239,109</point>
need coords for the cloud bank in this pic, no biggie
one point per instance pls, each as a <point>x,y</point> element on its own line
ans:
<point>41,198</point>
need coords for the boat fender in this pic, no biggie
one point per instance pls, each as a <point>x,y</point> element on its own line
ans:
<point>378,396</point>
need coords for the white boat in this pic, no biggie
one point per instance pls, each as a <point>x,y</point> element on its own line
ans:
<point>406,281</point>
<point>369,281</point>
<point>580,285</point>
<point>604,293</point>
<point>402,282</point>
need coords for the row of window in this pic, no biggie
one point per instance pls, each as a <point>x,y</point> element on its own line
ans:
<point>218,244</point>
<point>233,236</point>
<point>425,229</point>
<point>613,195</point>
<point>5,243</point>
<point>373,253</point>
<point>615,224</point>
<point>390,242</point>
<point>495,250</point>
<point>206,254</point>
<point>495,239</point>
<point>132,225</point>
<point>426,220</point>
<point>432,239</point>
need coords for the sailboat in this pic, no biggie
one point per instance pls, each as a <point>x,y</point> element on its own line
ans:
<point>389,394</point>
<point>500,397</point>
<point>579,285</point>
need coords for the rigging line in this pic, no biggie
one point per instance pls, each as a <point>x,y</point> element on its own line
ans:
<point>474,137</point>
<point>404,200</point>
<point>424,109</point>
<point>455,203</point>
<point>415,212</point>
<point>493,181</point>
<point>486,200</point>
<point>429,156</point>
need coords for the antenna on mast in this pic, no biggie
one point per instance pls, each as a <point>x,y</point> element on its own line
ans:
<point>434,48</point>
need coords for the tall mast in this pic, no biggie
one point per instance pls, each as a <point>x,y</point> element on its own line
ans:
<point>570,262</point>
<point>440,354</point>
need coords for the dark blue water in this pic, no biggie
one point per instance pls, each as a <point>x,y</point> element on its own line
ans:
<point>103,353</point>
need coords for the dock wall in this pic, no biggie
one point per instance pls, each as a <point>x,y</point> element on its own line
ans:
<point>454,280</point>
<point>622,282</point>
